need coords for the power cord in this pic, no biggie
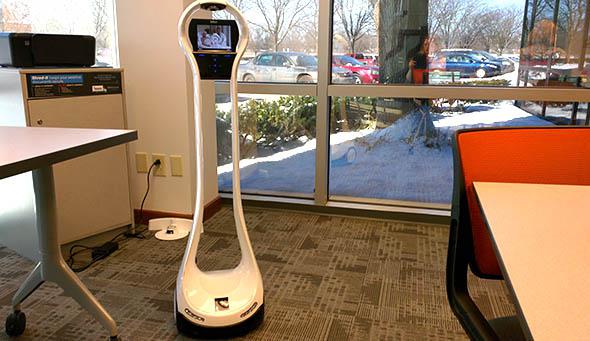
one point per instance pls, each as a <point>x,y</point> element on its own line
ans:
<point>70,261</point>
<point>139,235</point>
<point>104,250</point>
<point>157,162</point>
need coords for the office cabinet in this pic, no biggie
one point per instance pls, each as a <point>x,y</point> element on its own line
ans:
<point>92,192</point>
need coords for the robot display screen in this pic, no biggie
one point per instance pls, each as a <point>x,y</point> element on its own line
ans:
<point>214,37</point>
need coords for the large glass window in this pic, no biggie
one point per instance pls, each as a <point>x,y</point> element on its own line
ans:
<point>400,149</point>
<point>393,146</point>
<point>89,17</point>
<point>277,144</point>
<point>463,42</point>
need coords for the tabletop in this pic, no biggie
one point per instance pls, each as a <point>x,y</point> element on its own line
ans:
<point>541,234</point>
<point>26,148</point>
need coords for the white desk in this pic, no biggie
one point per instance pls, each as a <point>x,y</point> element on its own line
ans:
<point>541,235</point>
<point>24,149</point>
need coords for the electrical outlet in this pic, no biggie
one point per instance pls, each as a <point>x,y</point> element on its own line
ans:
<point>161,169</point>
<point>141,162</point>
<point>176,165</point>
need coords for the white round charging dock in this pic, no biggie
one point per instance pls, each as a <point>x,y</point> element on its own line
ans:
<point>170,228</point>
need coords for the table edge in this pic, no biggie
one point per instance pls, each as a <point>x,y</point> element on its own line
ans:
<point>519,311</point>
<point>16,168</point>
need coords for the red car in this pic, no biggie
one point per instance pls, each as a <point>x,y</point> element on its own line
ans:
<point>365,58</point>
<point>363,74</point>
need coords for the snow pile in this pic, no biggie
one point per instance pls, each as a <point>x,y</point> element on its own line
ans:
<point>392,163</point>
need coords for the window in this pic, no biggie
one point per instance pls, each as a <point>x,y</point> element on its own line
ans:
<point>89,17</point>
<point>277,144</point>
<point>264,60</point>
<point>283,61</point>
<point>412,40</point>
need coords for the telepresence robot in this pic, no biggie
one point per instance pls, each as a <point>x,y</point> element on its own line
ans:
<point>225,302</point>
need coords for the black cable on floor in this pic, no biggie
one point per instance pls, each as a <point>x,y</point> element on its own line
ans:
<point>126,235</point>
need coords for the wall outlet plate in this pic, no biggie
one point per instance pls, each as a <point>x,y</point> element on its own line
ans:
<point>176,165</point>
<point>161,169</point>
<point>141,162</point>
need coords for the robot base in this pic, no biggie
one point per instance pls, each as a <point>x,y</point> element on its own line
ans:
<point>191,329</point>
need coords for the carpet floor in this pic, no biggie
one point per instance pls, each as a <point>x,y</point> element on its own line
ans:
<point>325,278</point>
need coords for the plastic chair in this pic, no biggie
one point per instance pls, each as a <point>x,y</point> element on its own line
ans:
<point>547,155</point>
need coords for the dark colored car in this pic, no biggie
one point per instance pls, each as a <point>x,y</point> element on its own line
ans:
<point>507,64</point>
<point>362,73</point>
<point>466,63</point>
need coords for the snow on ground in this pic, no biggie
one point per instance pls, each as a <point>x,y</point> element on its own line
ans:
<point>487,115</point>
<point>388,165</point>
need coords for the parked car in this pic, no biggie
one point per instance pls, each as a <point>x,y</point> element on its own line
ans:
<point>363,74</point>
<point>465,63</point>
<point>364,58</point>
<point>507,64</point>
<point>288,67</point>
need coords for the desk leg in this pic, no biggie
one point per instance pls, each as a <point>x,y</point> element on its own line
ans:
<point>52,267</point>
<point>33,281</point>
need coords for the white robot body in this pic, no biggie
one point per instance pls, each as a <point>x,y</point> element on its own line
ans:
<point>224,302</point>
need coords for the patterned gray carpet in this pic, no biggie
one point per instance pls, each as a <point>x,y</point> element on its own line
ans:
<point>326,278</point>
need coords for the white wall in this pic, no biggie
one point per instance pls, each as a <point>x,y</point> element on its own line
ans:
<point>159,102</point>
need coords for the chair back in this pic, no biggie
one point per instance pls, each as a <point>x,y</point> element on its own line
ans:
<point>546,155</point>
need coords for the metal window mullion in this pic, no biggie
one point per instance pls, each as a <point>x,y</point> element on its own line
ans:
<point>463,92</point>
<point>390,202</point>
<point>269,89</point>
<point>323,102</point>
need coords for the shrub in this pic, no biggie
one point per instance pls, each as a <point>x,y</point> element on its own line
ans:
<point>482,82</point>
<point>269,124</point>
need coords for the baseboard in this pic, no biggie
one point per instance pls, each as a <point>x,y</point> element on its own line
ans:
<point>210,209</point>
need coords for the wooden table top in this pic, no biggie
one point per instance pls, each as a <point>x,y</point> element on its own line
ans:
<point>541,234</point>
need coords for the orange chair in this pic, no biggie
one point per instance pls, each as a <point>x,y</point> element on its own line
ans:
<point>548,155</point>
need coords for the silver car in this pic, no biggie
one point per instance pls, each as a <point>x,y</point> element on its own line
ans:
<point>288,67</point>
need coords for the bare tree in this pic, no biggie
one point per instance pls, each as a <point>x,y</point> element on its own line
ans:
<point>258,40</point>
<point>470,34</point>
<point>456,23</point>
<point>280,17</point>
<point>16,15</point>
<point>100,22</point>
<point>501,29</point>
<point>507,29</point>
<point>242,5</point>
<point>355,21</point>
<point>572,14</point>
<point>310,28</point>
